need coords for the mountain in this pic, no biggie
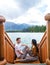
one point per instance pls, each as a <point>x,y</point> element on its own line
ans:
<point>10,26</point>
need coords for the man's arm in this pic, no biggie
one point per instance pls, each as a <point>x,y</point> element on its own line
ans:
<point>20,52</point>
<point>25,45</point>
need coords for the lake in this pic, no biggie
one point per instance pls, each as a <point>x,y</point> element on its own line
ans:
<point>25,37</point>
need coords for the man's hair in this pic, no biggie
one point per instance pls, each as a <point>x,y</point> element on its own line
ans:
<point>18,38</point>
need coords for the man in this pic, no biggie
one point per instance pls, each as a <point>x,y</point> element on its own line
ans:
<point>20,49</point>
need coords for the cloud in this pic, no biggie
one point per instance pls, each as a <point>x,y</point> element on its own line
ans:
<point>9,8</point>
<point>47,2</point>
<point>32,16</point>
<point>13,8</point>
<point>8,3</point>
<point>44,6</point>
<point>25,11</point>
<point>25,4</point>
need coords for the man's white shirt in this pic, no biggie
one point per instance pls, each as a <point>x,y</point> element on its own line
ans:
<point>18,47</point>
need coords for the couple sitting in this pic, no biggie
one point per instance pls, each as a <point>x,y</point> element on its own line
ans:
<point>24,53</point>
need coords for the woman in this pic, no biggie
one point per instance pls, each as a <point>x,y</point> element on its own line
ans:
<point>34,52</point>
<point>34,48</point>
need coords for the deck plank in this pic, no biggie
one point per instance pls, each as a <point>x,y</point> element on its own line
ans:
<point>25,64</point>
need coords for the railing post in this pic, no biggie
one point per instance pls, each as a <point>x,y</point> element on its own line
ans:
<point>47,18</point>
<point>2,39</point>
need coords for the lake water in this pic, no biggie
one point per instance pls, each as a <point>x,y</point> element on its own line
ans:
<point>25,37</point>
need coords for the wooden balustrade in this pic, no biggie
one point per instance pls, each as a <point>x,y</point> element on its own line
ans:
<point>2,19</point>
<point>44,45</point>
<point>9,49</point>
<point>6,45</point>
<point>43,48</point>
<point>9,40</point>
<point>47,18</point>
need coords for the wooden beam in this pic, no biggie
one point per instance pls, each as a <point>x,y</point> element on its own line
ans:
<point>2,20</point>
<point>47,18</point>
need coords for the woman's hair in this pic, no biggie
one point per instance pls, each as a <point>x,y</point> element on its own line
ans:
<point>34,42</point>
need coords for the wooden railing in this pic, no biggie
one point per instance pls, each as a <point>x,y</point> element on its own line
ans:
<point>43,48</point>
<point>44,45</point>
<point>2,20</point>
<point>9,40</point>
<point>6,45</point>
<point>9,49</point>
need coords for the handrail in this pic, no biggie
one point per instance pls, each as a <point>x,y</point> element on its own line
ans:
<point>43,48</point>
<point>9,49</point>
<point>43,38</point>
<point>2,40</point>
<point>9,40</point>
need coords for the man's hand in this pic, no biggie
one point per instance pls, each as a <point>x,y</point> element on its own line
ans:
<point>21,52</point>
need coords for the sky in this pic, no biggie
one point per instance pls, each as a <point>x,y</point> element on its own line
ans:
<point>25,11</point>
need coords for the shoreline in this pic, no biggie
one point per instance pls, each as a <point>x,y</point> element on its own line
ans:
<point>22,32</point>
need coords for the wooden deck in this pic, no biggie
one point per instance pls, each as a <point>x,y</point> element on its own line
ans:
<point>26,64</point>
